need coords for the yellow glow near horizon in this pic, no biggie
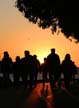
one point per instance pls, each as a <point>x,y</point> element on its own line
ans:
<point>41,56</point>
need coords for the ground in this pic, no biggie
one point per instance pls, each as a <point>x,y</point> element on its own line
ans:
<point>39,97</point>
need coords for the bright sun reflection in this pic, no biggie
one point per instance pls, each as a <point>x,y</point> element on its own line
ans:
<point>41,59</point>
<point>36,97</point>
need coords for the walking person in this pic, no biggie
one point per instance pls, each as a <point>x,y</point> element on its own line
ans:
<point>68,69</point>
<point>6,67</point>
<point>27,69</point>
<point>35,69</point>
<point>53,65</point>
<point>17,71</point>
<point>44,71</point>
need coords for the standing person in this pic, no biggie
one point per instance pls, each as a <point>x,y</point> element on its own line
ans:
<point>35,70</point>
<point>68,69</point>
<point>44,71</point>
<point>17,71</point>
<point>53,65</point>
<point>6,67</point>
<point>0,67</point>
<point>27,68</point>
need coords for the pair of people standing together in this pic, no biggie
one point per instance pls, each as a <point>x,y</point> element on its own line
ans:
<point>55,68</point>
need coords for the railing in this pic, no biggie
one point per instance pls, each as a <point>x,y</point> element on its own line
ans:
<point>40,76</point>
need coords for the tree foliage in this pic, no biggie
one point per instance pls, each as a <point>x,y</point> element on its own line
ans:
<point>52,14</point>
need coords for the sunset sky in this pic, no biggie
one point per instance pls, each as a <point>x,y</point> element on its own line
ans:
<point>18,34</point>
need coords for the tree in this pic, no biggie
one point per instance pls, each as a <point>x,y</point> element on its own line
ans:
<point>53,14</point>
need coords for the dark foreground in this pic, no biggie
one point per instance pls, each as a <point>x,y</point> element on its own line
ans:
<point>39,97</point>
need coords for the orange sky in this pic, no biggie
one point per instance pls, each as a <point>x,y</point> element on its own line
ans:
<point>17,35</point>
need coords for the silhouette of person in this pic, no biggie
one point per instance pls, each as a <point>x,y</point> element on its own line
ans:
<point>53,65</point>
<point>0,67</point>
<point>17,71</point>
<point>27,68</point>
<point>68,69</point>
<point>44,71</point>
<point>35,70</point>
<point>6,67</point>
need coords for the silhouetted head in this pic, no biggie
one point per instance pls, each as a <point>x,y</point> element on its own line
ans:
<point>35,56</point>
<point>26,52</point>
<point>53,50</point>
<point>67,57</point>
<point>17,58</point>
<point>45,59</point>
<point>6,54</point>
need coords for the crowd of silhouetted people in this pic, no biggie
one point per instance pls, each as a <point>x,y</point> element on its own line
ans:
<point>28,67</point>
